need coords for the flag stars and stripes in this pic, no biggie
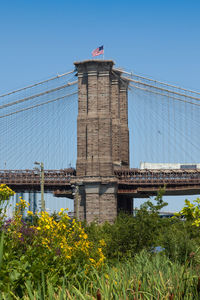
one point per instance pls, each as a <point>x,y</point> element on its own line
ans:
<point>98,51</point>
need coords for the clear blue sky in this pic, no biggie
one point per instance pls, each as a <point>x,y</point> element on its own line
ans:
<point>158,38</point>
<point>42,38</point>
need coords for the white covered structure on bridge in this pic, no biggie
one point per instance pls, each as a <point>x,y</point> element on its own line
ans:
<point>168,166</point>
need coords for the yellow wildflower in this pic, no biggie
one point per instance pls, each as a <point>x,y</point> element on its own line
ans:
<point>30,213</point>
<point>92,260</point>
<point>85,236</point>
<point>106,276</point>
<point>102,243</point>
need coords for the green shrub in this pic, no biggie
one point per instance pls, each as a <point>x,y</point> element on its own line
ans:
<point>146,276</point>
<point>129,235</point>
<point>48,248</point>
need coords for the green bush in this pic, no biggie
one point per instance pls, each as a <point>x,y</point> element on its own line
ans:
<point>129,235</point>
<point>52,257</point>
<point>146,276</point>
<point>48,249</point>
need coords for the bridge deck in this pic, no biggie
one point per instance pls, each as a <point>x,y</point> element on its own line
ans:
<point>29,180</point>
<point>143,183</point>
<point>132,183</point>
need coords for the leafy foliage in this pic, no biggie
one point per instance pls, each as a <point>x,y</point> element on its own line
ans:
<point>5,194</point>
<point>48,249</point>
<point>129,235</point>
<point>54,257</point>
<point>146,276</point>
<point>191,212</point>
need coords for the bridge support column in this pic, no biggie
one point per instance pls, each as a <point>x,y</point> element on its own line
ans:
<point>94,127</point>
<point>97,201</point>
<point>119,115</point>
<point>102,138</point>
<point>80,203</point>
<point>124,131</point>
<point>101,202</point>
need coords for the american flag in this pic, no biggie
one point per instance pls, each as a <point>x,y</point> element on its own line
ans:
<point>98,51</point>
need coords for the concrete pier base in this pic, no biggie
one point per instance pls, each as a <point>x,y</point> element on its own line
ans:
<point>97,201</point>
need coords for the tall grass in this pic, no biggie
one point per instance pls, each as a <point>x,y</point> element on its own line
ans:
<point>72,265</point>
<point>147,276</point>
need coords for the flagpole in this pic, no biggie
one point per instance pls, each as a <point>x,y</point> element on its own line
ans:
<point>103,52</point>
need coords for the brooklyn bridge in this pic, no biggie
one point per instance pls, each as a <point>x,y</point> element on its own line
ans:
<point>92,127</point>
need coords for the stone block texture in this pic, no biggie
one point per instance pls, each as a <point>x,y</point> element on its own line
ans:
<point>102,133</point>
<point>101,202</point>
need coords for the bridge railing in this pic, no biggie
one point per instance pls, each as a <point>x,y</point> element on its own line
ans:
<point>58,177</point>
<point>155,176</point>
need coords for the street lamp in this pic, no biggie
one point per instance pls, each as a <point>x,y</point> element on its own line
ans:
<point>41,164</point>
<point>76,196</point>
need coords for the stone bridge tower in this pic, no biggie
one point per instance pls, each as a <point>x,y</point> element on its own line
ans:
<point>102,139</point>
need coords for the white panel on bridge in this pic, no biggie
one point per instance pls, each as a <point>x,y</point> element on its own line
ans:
<point>169,166</point>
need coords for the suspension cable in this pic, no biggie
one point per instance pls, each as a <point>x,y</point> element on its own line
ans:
<point>155,81</point>
<point>34,106</point>
<point>35,84</point>
<point>175,98</point>
<point>38,95</point>
<point>159,88</point>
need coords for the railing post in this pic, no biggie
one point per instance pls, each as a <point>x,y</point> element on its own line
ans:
<point>42,187</point>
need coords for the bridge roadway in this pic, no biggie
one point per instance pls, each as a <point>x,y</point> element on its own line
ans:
<point>29,180</point>
<point>139,183</point>
<point>134,183</point>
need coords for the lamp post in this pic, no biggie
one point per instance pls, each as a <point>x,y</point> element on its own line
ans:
<point>77,201</point>
<point>41,164</point>
<point>76,196</point>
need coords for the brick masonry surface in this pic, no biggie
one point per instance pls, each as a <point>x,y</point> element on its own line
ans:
<point>102,136</point>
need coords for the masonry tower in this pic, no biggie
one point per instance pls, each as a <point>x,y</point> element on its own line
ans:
<point>102,138</point>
